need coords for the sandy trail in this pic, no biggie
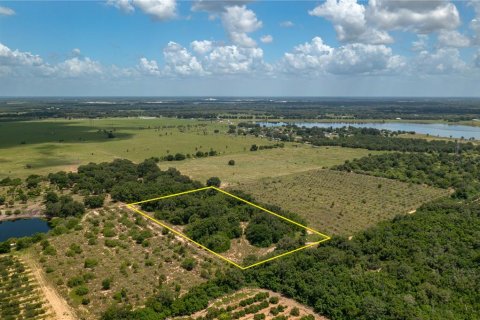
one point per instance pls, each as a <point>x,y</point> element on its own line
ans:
<point>60,308</point>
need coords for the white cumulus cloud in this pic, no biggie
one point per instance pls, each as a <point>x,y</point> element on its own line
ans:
<point>201,47</point>
<point>266,39</point>
<point>4,11</point>
<point>179,61</point>
<point>233,59</point>
<point>349,21</point>
<point>452,38</point>
<point>441,61</point>
<point>238,22</point>
<point>77,67</point>
<point>123,5</point>
<point>316,58</point>
<point>148,67</point>
<point>158,9</point>
<point>417,16</point>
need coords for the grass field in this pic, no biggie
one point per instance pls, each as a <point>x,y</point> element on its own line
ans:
<point>250,166</point>
<point>109,246</point>
<point>53,145</point>
<point>340,203</point>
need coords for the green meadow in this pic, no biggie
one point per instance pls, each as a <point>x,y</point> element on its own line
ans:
<point>40,147</point>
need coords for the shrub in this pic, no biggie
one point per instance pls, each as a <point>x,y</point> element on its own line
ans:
<point>179,157</point>
<point>106,284</point>
<point>81,290</point>
<point>259,316</point>
<point>75,281</point>
<point>273,300</point>
<point>189,264</point>
<point>231,162</point>
<point>295,312</point>
<point>90,263</point>
<point>94,201</point>
<point>214,181</point>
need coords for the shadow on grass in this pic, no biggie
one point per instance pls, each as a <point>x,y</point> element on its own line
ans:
<point>14,134</point>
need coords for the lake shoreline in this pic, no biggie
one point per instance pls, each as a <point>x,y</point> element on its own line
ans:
<point>28,215</point>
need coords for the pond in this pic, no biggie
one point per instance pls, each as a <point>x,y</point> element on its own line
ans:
<point>433,129</point>
<point>22,228</point>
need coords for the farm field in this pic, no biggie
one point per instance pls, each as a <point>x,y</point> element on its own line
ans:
<point>250,166</point>
<point>113,257</point>
<point>341,203</point>
<point>256,303</point>
<point>20,297</point>
<point>41,147</point>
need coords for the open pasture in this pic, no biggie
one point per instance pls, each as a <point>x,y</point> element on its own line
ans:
<point>341,203</point>
<point>252,165</point>
<point>41,147</point>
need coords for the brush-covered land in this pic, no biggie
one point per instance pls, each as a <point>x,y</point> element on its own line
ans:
<point>341,203</point>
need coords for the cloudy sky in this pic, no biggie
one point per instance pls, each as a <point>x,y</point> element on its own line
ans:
<point>235,48</point>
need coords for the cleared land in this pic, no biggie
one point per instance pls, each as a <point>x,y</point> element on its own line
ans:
<point>250,303</point>
<point>41,147</point>
<point>115,257</point>
<point>253,165</point>
<point>341,203</point>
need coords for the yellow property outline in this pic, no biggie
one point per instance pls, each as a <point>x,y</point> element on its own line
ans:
<point>132,207</point>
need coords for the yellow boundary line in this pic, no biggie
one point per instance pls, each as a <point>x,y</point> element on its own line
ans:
<point>132,207</point>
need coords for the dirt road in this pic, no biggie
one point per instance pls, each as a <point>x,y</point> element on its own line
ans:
<point>59,307</point>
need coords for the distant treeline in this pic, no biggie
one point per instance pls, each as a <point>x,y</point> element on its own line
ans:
<point>365,138</point>
<point>285,108</point>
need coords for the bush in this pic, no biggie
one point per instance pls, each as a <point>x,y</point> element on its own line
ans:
<point>81,291</point>
<point>189,264</point>
<point>106,284</point>
<point>273,300</point>
<point>214,181</point>
<point>94,201</point>
<point>179,157</point>
<point>75,281</point>
<point>231,162</point>
<point>295,312</point>
<point>259,316</point>
<point>90,263</point>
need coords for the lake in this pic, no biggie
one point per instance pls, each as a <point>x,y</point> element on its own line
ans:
<point>433,129</point>
<point>22,228</point>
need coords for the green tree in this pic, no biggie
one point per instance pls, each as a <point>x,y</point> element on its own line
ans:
<point>214,181</point>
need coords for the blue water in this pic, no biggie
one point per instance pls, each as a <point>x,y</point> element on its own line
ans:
<point>432,129</point>
<point>22,228</point>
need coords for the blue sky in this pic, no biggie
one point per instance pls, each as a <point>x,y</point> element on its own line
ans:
<point>168,47</point>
